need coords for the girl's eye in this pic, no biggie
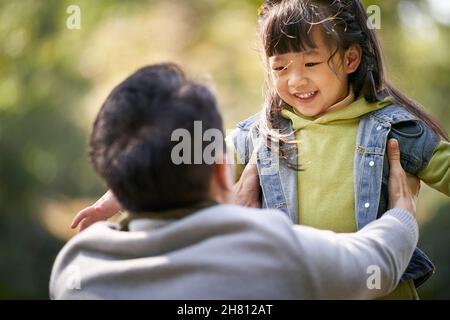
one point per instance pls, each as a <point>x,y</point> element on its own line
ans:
<point>279,69</point>
<point>311,64</point>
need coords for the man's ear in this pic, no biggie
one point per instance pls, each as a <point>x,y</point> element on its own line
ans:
<point>352,58</point>
<point>222,172</point>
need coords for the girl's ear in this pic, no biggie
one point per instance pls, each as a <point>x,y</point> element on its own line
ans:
<point>352,58</point>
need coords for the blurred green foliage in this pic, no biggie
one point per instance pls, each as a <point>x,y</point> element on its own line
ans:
<point>53,81</point>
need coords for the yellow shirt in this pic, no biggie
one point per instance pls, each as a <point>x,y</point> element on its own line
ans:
<point>437,173</point>
<point>326,153</point>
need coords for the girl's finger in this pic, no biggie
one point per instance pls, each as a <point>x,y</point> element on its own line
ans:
<point>80,216</point>
<point>84,224</point>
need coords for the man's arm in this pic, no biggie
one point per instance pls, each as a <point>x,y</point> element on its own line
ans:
<point>362,265</point>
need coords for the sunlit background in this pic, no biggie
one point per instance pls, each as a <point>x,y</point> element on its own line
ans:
<point>53,81</point>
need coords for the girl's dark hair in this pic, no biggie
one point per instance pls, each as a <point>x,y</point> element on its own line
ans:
<point>285,27</point>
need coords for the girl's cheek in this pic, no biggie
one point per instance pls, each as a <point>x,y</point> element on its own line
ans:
<point>274,78</point>
<point>276,83</point>
<point>279,87</point>
<point>277,76</point>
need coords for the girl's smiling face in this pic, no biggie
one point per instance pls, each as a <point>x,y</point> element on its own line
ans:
<point>308,82</point>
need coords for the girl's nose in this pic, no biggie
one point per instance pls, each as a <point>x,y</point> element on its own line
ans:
<point>297,80</point>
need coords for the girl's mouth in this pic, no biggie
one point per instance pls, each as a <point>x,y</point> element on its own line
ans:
<point>307,96</point>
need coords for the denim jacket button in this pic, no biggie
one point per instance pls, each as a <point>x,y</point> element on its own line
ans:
<point>367,205</point>
<point>371,163</point>
<point>379,128</point>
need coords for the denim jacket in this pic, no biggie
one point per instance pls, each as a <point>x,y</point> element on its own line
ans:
<point>371,168</point>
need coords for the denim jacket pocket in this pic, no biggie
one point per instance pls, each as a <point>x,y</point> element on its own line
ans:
<point>408,129</point>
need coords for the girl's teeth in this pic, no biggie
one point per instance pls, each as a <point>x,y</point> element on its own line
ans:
<point>306,95</point>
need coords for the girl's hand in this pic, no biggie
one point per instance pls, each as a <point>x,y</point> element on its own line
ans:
<point>403,187</point>
<point>103,209</point>
<point>247,190</point>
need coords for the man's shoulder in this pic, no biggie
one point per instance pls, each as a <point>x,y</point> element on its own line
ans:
<point>246,219</point>
<point>264,230</point>
<point>93,239</point>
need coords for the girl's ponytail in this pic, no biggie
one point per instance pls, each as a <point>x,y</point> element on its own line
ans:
<point>371,93</point>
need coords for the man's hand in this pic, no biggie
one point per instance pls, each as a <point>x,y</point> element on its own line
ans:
<point>246,192</point>
<point>403,187</point>
<point>103,209</point>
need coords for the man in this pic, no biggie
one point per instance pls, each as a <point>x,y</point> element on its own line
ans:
<point>184,239</point>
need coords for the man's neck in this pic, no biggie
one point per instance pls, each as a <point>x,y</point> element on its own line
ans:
<point>169,214</point>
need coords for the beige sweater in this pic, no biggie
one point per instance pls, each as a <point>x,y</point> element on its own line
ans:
<point>231,252</point>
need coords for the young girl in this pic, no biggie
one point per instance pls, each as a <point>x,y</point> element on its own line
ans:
<point>326,91</point>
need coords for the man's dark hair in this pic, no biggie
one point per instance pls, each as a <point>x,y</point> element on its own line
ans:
<point>130,145</point>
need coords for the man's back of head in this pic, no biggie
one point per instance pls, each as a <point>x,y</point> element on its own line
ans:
<point>131,143</point>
